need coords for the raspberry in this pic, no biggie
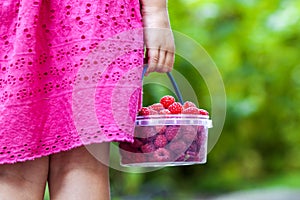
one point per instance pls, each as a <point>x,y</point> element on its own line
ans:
<point>157,107</point>
<point>126,146</point>
<point>189,137</point>
<point>200,129</point>
<point>139,158</point>
<point>164,112</point>
<point>126,158</point>
<point>138,132</point>
<point>190,133</point>
<point>201,138</point>
<point>150,139</point>
<point>203,112</point>
<point>160,141</point>
<point>136,143</point>
<point>167,100</point>
<point>188,104</point>
<point>144,131</point>
<point>171,132</point>
<point>191,110</point>
<point>177,147</point>
<point>160,129</point>
<point>161,155</point>
<point>144,111</point>
<point>147,148</point>
<point>189,129</point>
<point>194,147</point>
<point>153,112</point>
<point>175,108</point>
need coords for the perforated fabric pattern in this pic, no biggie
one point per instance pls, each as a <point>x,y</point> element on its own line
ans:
<point>70,74</point>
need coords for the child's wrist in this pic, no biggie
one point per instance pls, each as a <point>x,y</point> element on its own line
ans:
<point>150,9</point>
<point>154,5</point>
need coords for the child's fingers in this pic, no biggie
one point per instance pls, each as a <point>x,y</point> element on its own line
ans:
<point>169,62</point>
<point>166,62</point>
<point>161,63</point>
<point>153,59</point>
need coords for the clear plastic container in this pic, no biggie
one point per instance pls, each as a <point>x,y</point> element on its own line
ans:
<point>167,140</point>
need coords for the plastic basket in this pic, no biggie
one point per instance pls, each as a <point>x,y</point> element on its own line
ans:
<point>167,140</point>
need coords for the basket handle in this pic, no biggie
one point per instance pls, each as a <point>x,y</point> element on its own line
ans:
<point>174,84</point>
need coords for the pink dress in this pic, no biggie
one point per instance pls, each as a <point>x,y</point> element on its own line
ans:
<point>70,74</point>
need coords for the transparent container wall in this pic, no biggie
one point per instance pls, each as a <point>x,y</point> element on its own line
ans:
<point>167,141</point>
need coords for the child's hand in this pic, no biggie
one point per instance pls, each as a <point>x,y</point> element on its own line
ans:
<point>158,36</point>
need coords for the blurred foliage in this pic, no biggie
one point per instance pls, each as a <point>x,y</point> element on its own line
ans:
<point>256,46</point>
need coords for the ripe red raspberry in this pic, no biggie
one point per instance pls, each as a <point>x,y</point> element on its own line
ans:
<point>191,110</point>
<point>167,100</point>
<point>190,129</point>
<point>175,108</point>
<point>162,155</point>
<point>203,112</point>
<point>127,147</point>
<point>147,148</point>
<point>160,141</point>
<point>201,138</point>
<point>143,132</point>
<point>160,129</point>
<point>153,112</point>
<point>126,157</point>
<point>200,129</point>
<point>171,132</point>
<point>136,143</point>
<point>139,158</point>
<point>164,112</point>
<point>189,137</point>
<point>157,107</point>
<point>177,147</point>
<point>144,111</point>
<point>188,104</point>
<point>194,147</point>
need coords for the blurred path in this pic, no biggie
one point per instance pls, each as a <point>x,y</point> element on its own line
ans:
<point>261,194</point>
<point>258,194</point>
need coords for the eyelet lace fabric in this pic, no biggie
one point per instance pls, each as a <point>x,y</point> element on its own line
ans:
<point>70,74</point>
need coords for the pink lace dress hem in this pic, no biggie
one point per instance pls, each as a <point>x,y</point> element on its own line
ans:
<point>70,74</point>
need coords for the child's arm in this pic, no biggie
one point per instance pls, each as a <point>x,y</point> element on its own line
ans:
<point>158,36</point>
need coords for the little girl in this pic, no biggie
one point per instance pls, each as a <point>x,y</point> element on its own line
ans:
<point>64,65</point>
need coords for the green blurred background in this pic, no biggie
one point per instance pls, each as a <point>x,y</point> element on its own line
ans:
<point>255,45</point>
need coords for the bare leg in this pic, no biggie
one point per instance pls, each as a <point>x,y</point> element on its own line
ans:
<point>24,180</point>
<point>76,174</point>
